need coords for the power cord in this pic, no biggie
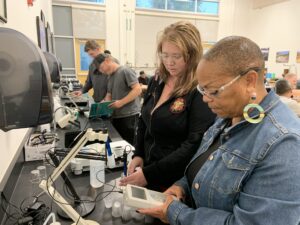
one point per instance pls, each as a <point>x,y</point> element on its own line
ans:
<point>34,214</point>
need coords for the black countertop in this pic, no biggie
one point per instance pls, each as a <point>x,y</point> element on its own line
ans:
<point>81,183</point>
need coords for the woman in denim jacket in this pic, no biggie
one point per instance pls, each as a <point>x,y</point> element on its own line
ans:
<point>247,169</point>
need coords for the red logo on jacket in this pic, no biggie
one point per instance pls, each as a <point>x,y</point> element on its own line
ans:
<point>178,105</point>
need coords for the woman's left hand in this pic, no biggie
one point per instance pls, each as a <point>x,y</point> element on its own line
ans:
<point>159,212</point>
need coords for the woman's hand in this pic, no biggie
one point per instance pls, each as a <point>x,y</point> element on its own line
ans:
<point>135,163</point>
<point>159,212</point>
<point>136,178</point>
<point>176,191</point>
<point>172,193</point>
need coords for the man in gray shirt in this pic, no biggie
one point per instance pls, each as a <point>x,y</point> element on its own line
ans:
<point>124,89</point>
<point>95,79</point>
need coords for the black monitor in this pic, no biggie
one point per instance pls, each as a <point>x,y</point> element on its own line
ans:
<point>54,66</point>
<point>25,88</point>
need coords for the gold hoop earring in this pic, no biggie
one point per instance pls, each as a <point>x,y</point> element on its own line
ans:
<point>253,106</point>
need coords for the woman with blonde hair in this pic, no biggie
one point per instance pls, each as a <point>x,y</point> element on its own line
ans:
<point>174,116</point>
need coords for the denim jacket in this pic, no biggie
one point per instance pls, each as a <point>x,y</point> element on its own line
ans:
<point>253,178</point>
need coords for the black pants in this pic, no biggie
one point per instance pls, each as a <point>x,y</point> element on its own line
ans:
<point>126,127</point>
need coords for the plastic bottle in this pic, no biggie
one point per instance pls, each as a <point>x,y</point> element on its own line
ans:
<point>97,173</point>
<point>71,86</point>
<point>35,181</point>
<point>111,163</point>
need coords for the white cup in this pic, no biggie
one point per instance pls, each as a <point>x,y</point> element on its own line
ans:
<point>126,214</point>
<point>43,172</point>
<point>116,209</point>
<point>137,216</point>
<point>35,180</point>
<point>108,201</point>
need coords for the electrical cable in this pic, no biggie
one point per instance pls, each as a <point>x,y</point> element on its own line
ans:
<point>66,190</point>
<point>7,213</point>
<point>22,216</point>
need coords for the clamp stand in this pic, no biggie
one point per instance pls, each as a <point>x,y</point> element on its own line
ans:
<point>83,205</point>
<point>46,185</point>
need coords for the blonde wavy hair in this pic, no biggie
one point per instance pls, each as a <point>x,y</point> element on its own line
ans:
<point>187,38</point>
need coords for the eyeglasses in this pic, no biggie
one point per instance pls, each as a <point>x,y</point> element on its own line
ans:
<point>173,57</point>
<point>216,93</point>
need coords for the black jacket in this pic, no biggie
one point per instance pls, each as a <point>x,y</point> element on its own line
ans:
<point>168,138</point>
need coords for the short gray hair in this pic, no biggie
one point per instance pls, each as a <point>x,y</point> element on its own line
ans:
<point>236,54</point>
<point>282,86</point>
<point>290,75</point>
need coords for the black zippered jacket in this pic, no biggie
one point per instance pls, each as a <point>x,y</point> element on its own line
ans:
<point>168,138</point>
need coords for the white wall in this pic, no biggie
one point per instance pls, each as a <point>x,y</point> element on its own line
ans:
<point>274,26</point>
<point>150,24</point>
<point>11,143</point>
<point>21,18</point>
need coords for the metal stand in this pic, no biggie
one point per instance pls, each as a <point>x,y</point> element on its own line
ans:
<point>83,205</point>
<point>46,185</point>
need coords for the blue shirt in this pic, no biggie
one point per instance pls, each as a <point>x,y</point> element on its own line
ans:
<point>253,178</point>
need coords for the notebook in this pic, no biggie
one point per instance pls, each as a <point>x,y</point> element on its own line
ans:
<point>100,110</point>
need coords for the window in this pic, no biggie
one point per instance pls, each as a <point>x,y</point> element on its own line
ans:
<point>151,4</point>
<point>95,1</point>
<point>83,60</point>
<point>181,5</point>
<point>210,7</point>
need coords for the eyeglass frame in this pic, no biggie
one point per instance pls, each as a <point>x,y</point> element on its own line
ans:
<point>173,57</point>
<point>215,93</point>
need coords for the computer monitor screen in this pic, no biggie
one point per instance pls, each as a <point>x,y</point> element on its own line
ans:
<point>25,88</point>
<point>54,67</point>
<point>41,33</point>
<point>49,39</point>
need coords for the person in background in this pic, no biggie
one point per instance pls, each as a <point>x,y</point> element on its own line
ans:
<point>247,169</point>
<point>95,79</point>
<point>284,90</point>
<point>285,71</point>
<point>109,53</point>
<point>124,89</point>
<point>174,116</point>
<point>292,79</point>
<point>143,80</point>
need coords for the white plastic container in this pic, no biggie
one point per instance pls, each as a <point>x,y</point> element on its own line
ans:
<point>70,86</point>
<point>97,173</point>
<point>116,210</point>
<point>35,181</point>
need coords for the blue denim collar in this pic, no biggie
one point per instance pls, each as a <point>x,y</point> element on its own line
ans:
<point>221,124</point>
<point>269,102</point>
